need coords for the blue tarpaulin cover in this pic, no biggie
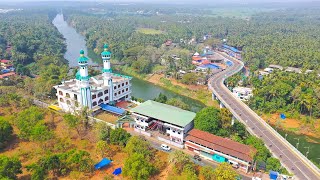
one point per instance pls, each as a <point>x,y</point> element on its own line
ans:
<point>102,163</point>
<point>273,174</point>
<point>282,116</point>
<point>117,171</point>
<point>231,48</point>
<point>112,109</point>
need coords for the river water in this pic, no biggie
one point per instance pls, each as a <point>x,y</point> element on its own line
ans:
<point>75,42</point>
<point>145,90</point>
<point>140,89</point>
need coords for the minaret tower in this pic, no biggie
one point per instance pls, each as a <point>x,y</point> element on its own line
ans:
<point>107,78</point>
<point>83,81</point>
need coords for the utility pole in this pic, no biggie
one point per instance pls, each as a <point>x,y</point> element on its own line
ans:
<point>307,151</point>
<point>297,145</point>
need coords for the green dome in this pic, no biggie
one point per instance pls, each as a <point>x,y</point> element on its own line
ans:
<point>82,58</point>
<point>106,53</point>
<point>105,46</point>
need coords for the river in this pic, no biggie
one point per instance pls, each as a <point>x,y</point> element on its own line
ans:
<point>140,89</point>
<point>145,90</point>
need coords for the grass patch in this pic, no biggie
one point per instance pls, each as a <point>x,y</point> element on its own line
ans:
<point>107,117</point>
<point>149,31</point>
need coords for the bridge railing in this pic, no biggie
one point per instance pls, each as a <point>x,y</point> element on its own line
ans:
<point>302,157</point>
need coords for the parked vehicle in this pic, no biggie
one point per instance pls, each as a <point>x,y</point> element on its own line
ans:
<point>197,157</point>
<point>165,147</point>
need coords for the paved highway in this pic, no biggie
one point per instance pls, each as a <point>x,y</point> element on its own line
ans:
<point>290,158</point>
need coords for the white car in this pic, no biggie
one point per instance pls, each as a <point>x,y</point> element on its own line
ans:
<point>165,147</point>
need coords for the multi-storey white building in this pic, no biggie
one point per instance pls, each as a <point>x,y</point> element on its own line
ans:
<point>242,93</point>
<point>91,92</point>
<point>168,123</point>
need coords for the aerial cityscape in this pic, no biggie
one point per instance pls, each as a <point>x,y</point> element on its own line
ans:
<point>160,90</point>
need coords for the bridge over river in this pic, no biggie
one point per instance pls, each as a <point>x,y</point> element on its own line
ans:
<point>289,156</point>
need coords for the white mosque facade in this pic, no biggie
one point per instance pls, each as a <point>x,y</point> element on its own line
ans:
<point>91,92</point>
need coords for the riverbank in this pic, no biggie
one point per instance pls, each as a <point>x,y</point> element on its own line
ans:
<point>294,125</point>
<point>196,92</point>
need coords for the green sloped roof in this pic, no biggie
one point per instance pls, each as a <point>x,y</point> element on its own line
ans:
<point>106,53</point>
<point>164,112</point>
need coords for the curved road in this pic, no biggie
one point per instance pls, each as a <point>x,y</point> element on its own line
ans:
<point>290,158</point>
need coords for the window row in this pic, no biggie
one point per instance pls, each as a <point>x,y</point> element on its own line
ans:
<point>67,95</point>
<point>120,92</point>
<point>100,94</point>
<point>115,87</point>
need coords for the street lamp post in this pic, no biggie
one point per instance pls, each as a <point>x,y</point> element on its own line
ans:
<point>307,151</point>
<point>297,145</point>
<point>286,136</point>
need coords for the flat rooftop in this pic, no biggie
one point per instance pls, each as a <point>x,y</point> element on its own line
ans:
<point>96,82</point>
<point>164,112</point>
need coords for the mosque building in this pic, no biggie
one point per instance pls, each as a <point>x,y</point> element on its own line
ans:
<point>106,88</point>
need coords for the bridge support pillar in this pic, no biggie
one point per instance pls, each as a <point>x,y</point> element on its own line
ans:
<point>221,105</point>
<point>214,97</point>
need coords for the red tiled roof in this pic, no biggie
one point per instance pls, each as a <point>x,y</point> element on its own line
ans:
<point>4,61</point>
<point>7,74</point>
<point>195,58</point>
<point>221,144</point>
<point>205,61</point>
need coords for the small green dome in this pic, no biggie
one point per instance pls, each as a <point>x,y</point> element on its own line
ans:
<point>106,46</point>
<point>106,53</point>
<point>82,59</point>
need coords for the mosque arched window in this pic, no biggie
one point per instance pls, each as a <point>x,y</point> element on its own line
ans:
<point>68,102</point>
<point>61,100</point>
<point>107,98</point>
<point>100,94</point>
<point>94,96</point>
<point>67,95</point>
<point>106,92</point>
<point>100,101</point>
<point>94,103</point>
<point>61,93</point>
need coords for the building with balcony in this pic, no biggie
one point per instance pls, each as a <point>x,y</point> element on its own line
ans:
<point>167,123</point>
<point>219,149</point>
<point>94,92</point>
<point>243,93</point>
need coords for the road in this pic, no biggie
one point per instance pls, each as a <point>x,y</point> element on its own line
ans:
<point>290,158</point>
<point>156,144</point>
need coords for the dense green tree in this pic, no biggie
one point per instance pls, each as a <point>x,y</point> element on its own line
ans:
<point>224,171</point>
<point>178,103</point>
<point>6,131</point>
<point>137,167</point>
<point>31,125</point>
<point>207,172</point>
<point>273,164</point>
<point>102,148</point>
<point>140,146</point>
<point>208,119</point>
<point>161,98</point>
<point>119,136</point>
<point>189,78</point>
<point>179,160</point>
<point>10,167</point>
<point>262,152</point>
